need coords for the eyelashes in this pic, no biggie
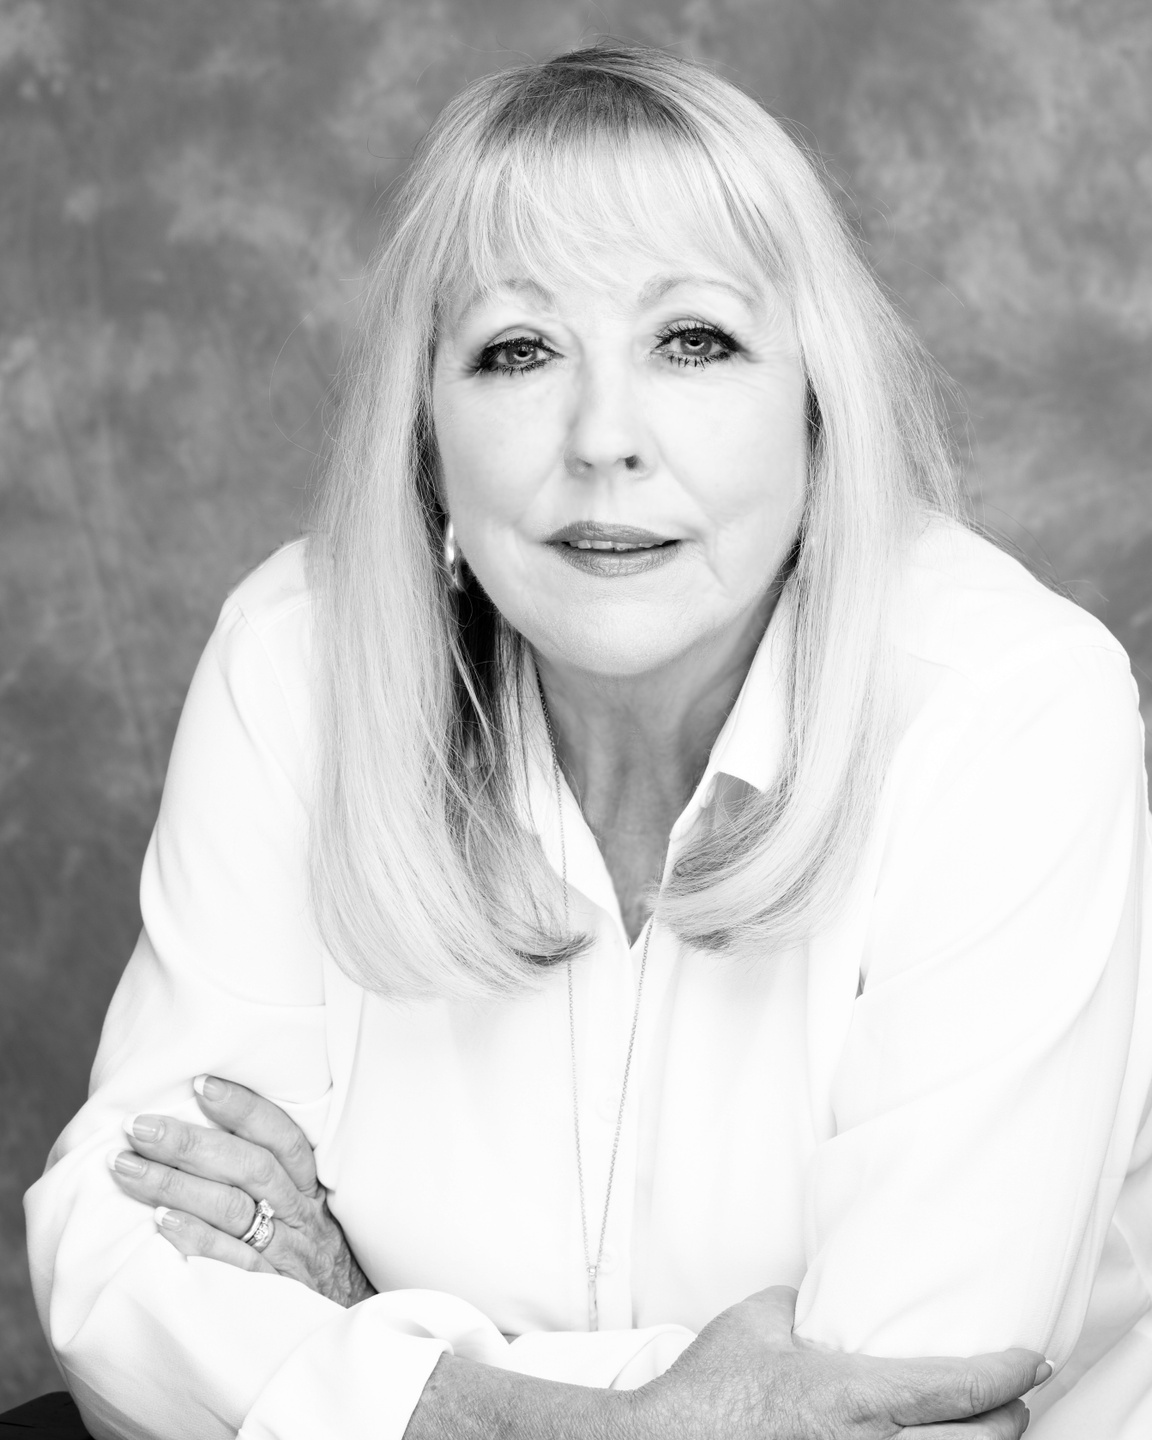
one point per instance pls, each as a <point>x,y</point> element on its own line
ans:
<point>695,335</point>
<point>488,361</point>
<point>702,344</point>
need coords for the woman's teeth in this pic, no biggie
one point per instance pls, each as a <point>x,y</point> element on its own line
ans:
<point>607,545</point>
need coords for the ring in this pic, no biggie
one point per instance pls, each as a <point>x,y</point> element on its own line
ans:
<point>259,1233</point>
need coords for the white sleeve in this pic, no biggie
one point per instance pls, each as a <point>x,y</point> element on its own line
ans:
<point>227,978</point>
<point>990,1086</point>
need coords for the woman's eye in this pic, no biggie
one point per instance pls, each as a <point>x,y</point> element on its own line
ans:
<point>697,345</point>
<point>513,357</point>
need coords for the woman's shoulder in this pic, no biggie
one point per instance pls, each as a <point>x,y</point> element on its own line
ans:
<point>275,598</point>
<point>263,638</point>
<point>990,652</point>
<point>969,608</point>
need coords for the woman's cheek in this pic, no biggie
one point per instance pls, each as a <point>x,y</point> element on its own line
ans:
<point>503,453</point>
<point>738,478</point>
<point>495,502</point>
<point>765,450</point>
<point>499,497</point>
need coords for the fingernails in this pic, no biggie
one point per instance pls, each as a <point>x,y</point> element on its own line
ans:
<point>169,1219</point>
<point>1043,1372</point>
<point>210,1087</point>
<point>125,1162</point>
<point>144,1127</point>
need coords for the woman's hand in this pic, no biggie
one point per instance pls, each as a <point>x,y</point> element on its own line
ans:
<point>207,1182</point>
<point>746,1375</point>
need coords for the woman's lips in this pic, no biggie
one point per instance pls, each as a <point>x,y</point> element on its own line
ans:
<point>609,549</point>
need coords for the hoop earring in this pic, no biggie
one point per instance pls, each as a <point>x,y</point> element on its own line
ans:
<point>453,560</point>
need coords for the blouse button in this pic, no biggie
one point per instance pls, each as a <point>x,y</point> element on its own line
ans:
<point>608,1106</point>
<point>608,1261</point>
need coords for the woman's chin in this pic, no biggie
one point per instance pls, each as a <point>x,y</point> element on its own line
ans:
<point>616,645</point>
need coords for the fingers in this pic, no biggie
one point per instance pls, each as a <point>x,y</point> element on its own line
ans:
<point>938,1390</point>
<point>1007,1422</point>
<point>244,1113</point>
<point>191,1236</point>
<point>224,1207</point>
<point>215,1155</point>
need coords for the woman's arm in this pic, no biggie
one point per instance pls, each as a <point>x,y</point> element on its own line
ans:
<point>998,1058</point>
<point>746,1366</point>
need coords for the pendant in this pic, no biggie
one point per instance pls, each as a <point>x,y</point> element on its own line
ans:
<point>593,1310</point>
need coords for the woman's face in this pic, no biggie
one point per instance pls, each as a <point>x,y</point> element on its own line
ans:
<point>665,414</point>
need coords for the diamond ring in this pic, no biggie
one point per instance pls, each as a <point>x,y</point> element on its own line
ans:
<point>259,1233</point>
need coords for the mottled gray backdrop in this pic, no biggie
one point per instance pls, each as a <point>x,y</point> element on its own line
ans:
<point>188,189</point>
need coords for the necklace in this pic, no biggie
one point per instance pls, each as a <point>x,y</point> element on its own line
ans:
<point>591,1266</point>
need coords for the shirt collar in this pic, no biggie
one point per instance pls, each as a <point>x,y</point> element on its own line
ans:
<point>751,741</point>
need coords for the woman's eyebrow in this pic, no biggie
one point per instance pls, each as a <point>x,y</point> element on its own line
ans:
<point>652,291</point>
<point>659,286</point>
<point>517,283</point>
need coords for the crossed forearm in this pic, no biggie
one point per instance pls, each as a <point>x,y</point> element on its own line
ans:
<point>464,1400</point>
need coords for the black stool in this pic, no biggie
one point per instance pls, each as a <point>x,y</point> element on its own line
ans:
<point>49,1417</point>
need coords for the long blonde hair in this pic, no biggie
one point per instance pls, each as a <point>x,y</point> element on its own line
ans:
<point>427,880</point>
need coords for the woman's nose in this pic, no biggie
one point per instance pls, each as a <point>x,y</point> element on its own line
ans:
<point>608,435</point>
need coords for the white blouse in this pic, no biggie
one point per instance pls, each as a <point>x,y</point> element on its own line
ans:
<point>932,1119</point>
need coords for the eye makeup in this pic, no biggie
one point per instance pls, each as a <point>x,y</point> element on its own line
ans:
<point>488,361</point>
<point>703,344</point>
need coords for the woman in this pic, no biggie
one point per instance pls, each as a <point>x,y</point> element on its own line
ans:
<point>641,851</point>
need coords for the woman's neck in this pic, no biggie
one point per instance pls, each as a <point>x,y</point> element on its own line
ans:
<point>633,747</point>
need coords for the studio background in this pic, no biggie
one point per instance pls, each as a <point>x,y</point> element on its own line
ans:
<point>188,191</point>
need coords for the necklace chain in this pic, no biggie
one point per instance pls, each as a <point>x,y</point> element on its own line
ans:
<point>591,1267</point>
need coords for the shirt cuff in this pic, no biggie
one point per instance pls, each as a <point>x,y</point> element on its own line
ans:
<point>358,1378</point>
<point>608,1359</point>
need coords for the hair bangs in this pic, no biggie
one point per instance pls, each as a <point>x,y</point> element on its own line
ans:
<point>549,206</point>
